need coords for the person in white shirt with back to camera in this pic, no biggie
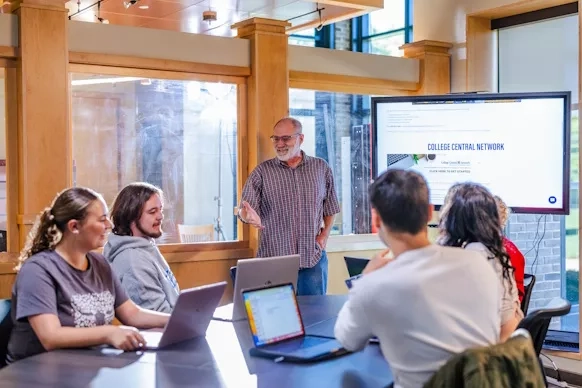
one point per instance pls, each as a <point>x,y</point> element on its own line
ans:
<point>428,302</point>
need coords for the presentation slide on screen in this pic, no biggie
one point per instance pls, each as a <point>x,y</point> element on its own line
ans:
<point>274,314</point>
<point>513,147</point>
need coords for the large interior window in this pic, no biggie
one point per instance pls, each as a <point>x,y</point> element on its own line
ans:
<point>178,135</point>
<point>303,38</point>
<point>337,129</point>
<point>543,56</point>
<point>384,31</point>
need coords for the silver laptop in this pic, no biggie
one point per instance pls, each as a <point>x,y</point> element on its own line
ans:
<point>400,161</point>
<point>258,272</point>
<point>190,317</point>
<point>277,327</point>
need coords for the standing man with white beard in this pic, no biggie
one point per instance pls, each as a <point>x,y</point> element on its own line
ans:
<point>137,215</point>
<point>293,201</point>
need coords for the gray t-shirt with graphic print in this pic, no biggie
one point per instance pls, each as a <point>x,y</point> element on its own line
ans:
<point>47,284</point>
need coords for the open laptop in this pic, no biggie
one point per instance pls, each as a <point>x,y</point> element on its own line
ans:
<point>355,265</point>
<point>277,328</point>
<point>400,161</point>
<point>190,317</point>
<point>258,272</point>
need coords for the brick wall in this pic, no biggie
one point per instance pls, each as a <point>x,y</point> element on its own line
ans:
<point>343,33</point>
<point>521,229</point>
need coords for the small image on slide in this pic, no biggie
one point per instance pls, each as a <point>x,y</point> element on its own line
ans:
<point>405,161</point>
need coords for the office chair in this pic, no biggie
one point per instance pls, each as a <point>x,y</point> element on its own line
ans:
<point>233,273</point>
<point>355,265</point>
<point>5,328</point>
<point>538,321</point>
<point>528,282</point>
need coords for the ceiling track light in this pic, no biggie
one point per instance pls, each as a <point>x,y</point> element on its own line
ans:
<point>129,3</point>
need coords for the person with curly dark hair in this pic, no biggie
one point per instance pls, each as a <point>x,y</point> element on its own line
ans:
<point>470,220</point>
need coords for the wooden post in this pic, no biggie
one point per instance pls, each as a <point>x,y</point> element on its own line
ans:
<point>435,77</point>
<point>267,93</point>
<point>44,161</point>
<point>435,65</point>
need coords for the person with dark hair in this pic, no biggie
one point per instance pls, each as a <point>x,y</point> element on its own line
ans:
<point>426,303</point>
<point>137,215</point>
<point>292,200</point>
<point>470,220</point>
<point>65,295</point>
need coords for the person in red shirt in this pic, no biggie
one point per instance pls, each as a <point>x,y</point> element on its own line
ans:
<point>515,256</point>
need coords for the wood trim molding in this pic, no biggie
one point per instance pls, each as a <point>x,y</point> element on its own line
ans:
<point>155,74</point>
<point>248,27</point>
<point>423,47</point>
<point>481,49</point>
<point>349,84</point>
<point>518,7</point>
<point>435,65</point>
<point>569,355</point>
<point>157,64</point>
<point>12,173</point>
<point>7,63</point>
<point>26,219</point>
<point>242,166</point>
<point>203,246</point>
<point>8,261</point>
<point>9,52</point>
<point>216,255</point>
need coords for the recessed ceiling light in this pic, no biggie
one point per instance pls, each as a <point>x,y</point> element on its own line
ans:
<point>144,7</point>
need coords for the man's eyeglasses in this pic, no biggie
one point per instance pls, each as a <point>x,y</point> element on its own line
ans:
<point>284,139</point>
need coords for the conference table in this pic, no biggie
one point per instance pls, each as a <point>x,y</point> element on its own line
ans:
<point>220,359</point>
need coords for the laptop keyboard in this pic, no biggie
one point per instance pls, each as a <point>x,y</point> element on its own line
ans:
<point>394,158</point>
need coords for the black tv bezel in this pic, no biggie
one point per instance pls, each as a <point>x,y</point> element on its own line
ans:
<point>566,96</point>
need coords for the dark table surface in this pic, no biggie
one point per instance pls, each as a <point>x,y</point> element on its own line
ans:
<point>219,360</point>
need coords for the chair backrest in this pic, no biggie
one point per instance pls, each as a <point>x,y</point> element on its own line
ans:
<point>509,364</point>
<point>233,273</point>
<point>5,328</point>
<point>196,233</point>
<point>528,284</point>
<point>355,264</point>
<point>538,321</point>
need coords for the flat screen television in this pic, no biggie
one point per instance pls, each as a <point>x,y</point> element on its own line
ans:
<point>515,144</point>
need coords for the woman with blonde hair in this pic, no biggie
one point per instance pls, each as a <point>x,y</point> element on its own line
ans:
<point>515,256</point>
<point>65,295</point>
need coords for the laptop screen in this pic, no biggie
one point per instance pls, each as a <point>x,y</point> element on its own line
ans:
<point>273,314</point>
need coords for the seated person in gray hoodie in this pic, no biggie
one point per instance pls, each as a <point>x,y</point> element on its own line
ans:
<point>137,215</point>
